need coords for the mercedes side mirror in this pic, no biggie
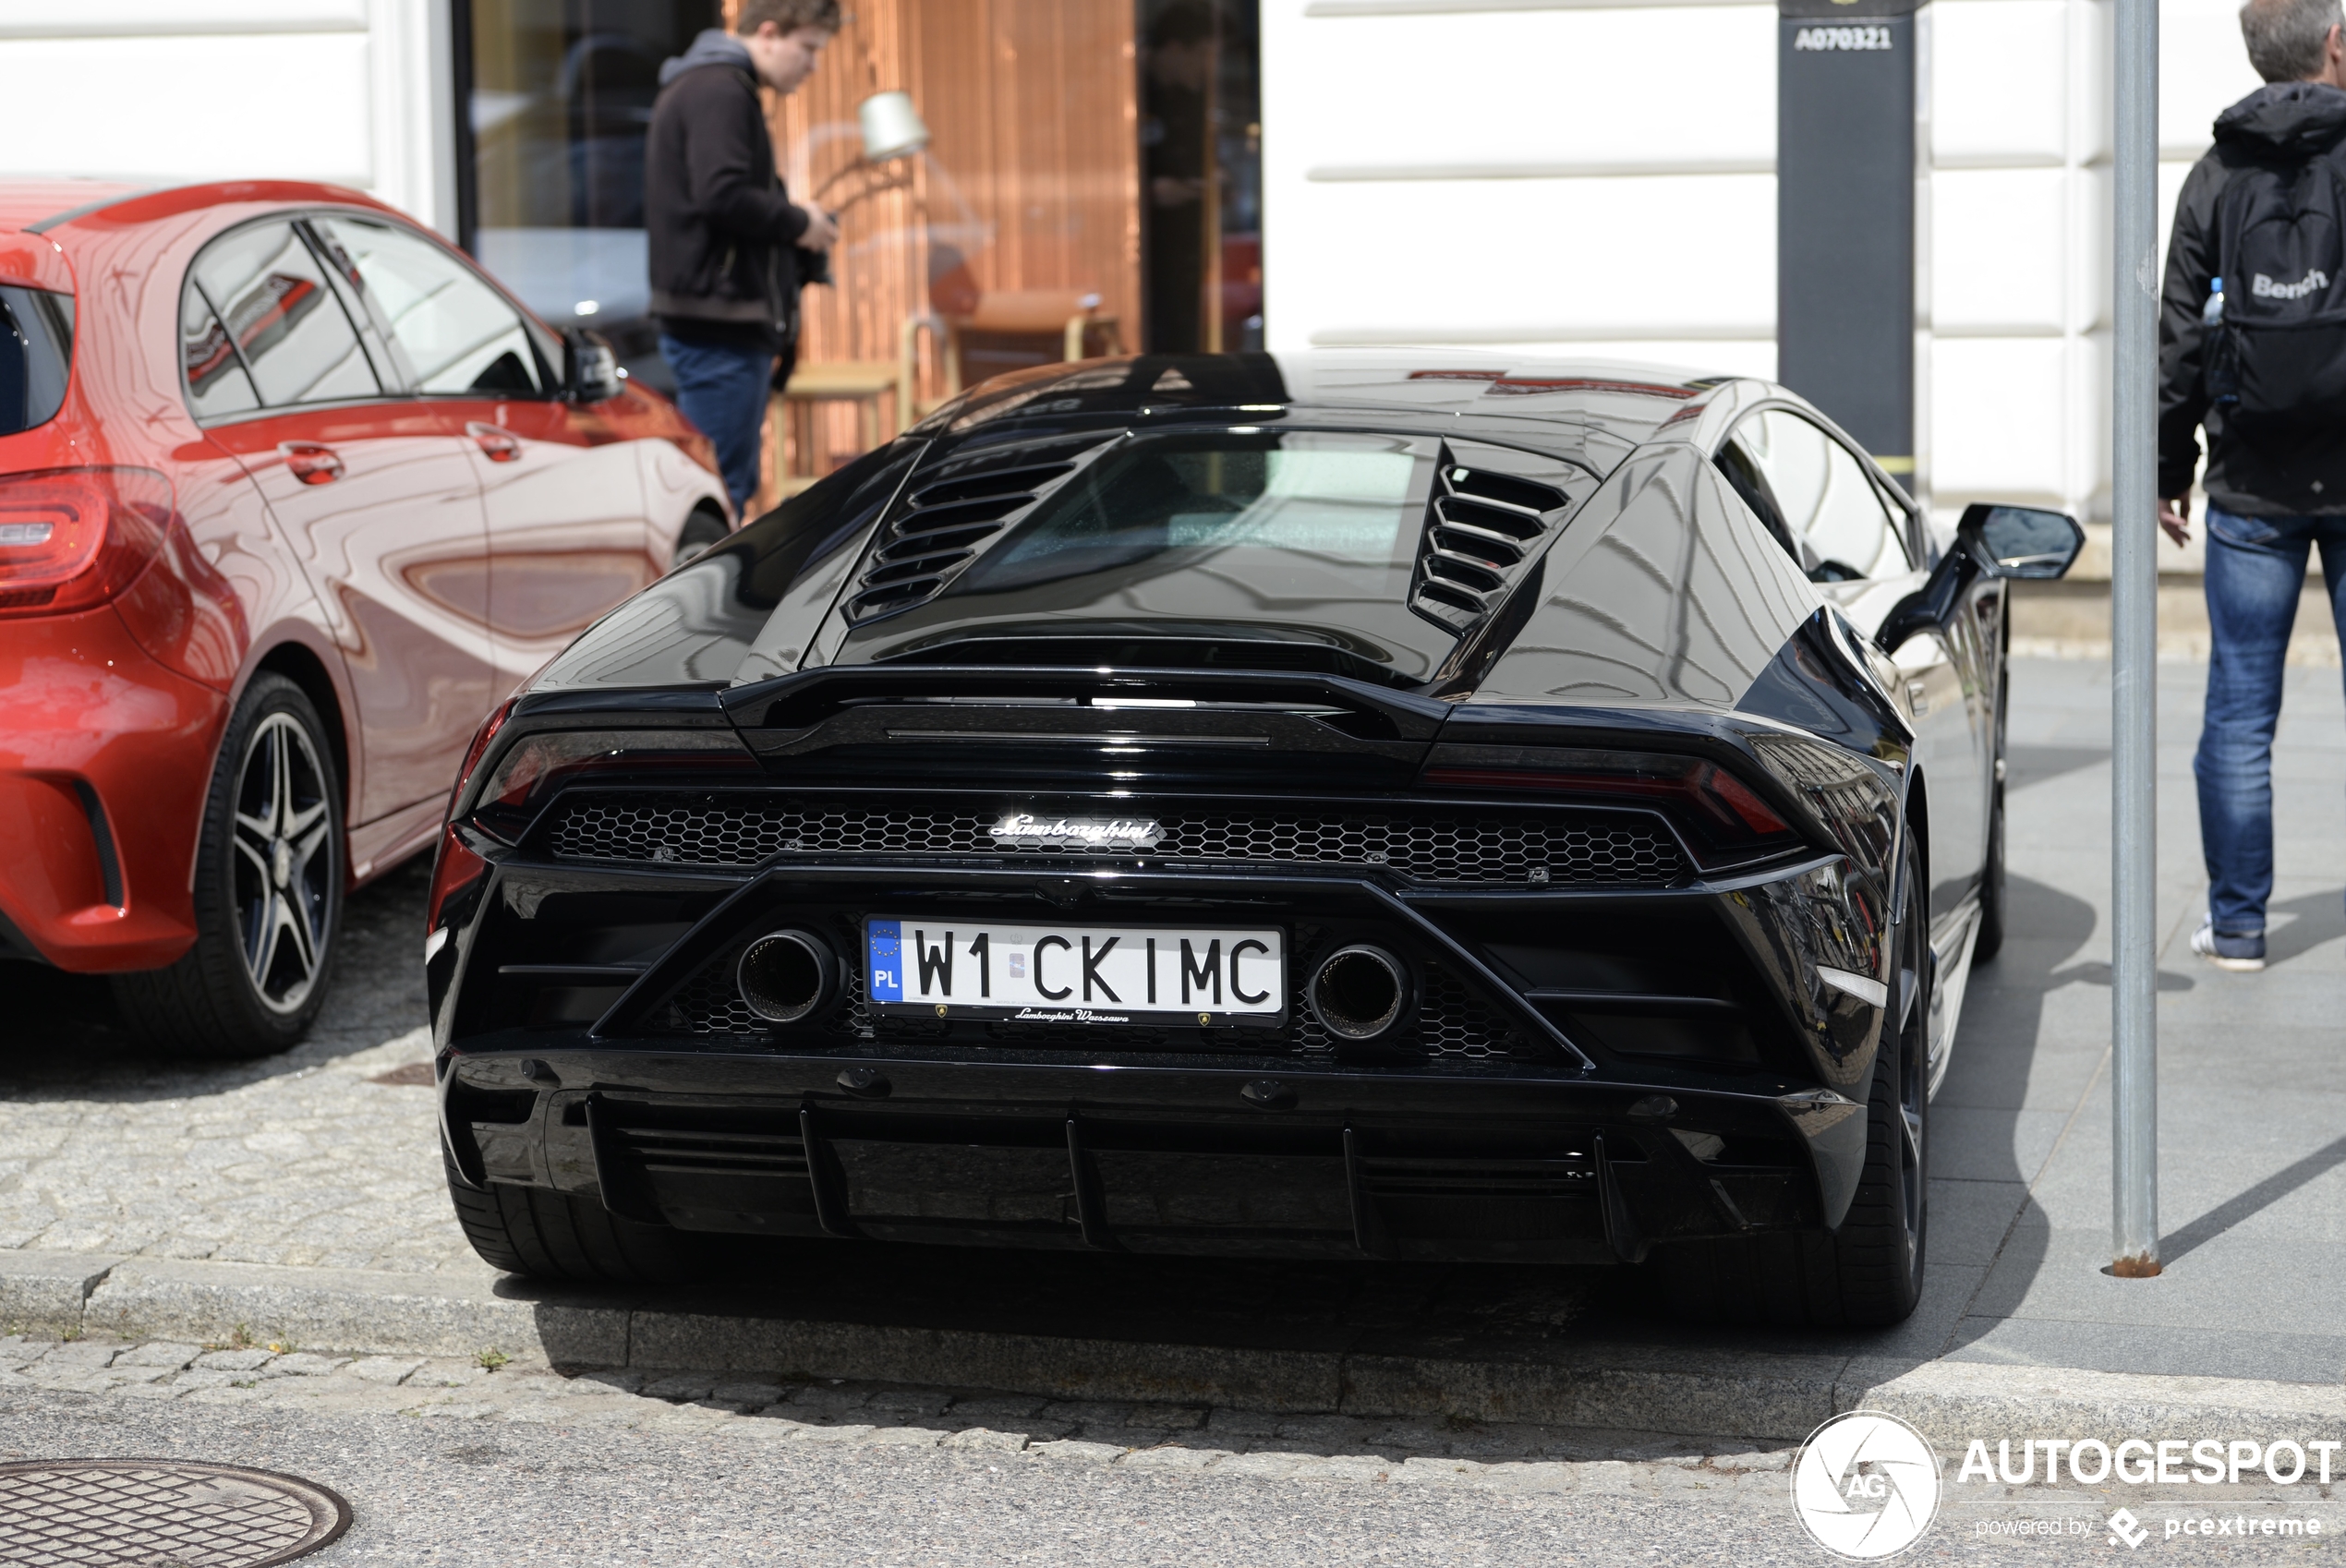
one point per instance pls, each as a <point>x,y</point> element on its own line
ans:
<point>2021,541</point>
<point>590,372</point>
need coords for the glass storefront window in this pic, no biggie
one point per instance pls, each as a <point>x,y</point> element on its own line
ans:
<point>559,100</point>
<point>1090,183</point>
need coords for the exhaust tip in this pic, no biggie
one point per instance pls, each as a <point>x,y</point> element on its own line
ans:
<point>788,975</point>
<point>1359,993</point>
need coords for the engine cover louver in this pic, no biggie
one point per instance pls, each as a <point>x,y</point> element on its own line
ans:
<point>1481,527</point>
<point>940,527</point>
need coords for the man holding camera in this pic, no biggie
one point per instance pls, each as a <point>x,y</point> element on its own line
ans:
<point>728,249</point>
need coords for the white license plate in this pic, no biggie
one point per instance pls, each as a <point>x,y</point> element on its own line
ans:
<point>1076,973</point>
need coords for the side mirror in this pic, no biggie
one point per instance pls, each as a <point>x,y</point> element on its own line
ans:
<point>590,372</point>
<point>2021,541</point>
<point>2003,541</point>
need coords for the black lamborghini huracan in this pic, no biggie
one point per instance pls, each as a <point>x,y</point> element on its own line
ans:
<point>1329,806</point>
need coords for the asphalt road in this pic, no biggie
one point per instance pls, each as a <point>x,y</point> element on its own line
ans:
<point>440,1492</point>
<point>453,1492</point>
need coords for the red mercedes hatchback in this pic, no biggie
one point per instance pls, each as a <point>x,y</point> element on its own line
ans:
<point>291,494</point>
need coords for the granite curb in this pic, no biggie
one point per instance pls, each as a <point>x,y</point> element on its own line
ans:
<point>48,1292</point>
<point>1638,1388</point>
<point>1957,1401</point>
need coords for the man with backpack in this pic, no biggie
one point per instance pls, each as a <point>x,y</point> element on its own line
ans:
<point>2252,346</point>
<point>729,250</point>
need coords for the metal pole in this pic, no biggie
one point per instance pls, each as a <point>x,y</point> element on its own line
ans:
<point>2133,607</point>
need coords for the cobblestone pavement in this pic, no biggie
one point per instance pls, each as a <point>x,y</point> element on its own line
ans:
<point>298,1159</point>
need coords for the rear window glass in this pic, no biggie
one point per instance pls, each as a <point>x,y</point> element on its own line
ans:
<point>1272,507</point>
<point>217,385</point>
<point>289,329</point>
<point>36,355</point>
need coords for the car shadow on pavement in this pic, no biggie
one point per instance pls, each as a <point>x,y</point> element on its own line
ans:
<point>2018,1073</point>
<point>1325,1306</point>
<point>1165,1431</point>
<point>60,1036</point>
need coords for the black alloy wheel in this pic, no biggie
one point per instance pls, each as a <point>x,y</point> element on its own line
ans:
<point>702,529</point>
<point>1913,1184</point>
<point>268,891</point>
<point>1868,1273</point>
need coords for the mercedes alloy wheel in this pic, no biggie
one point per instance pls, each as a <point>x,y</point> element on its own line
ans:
<point>282,873</point>
<point>269,881</point>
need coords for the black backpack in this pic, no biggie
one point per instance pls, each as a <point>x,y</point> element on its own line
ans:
<point>2276,360</point>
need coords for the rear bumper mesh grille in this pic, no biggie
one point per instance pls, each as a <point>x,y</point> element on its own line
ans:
<point>1461,846</point>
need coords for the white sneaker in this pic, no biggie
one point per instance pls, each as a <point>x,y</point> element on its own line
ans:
<point>2241,955</point>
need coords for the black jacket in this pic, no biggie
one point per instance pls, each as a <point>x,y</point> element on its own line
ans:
<point>2282,121</point>
<point>722,230</point>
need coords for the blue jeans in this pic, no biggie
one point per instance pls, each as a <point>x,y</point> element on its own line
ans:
<point>723,390</point>
<point>2256,570</point>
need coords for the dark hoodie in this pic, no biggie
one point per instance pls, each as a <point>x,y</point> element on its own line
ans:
<point>2283,121</point>
<point>723,232</point>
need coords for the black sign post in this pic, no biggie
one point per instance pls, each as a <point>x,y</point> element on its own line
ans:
<point>1845,177</point>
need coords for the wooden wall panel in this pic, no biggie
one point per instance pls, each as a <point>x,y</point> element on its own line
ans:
<point>1032,171</point>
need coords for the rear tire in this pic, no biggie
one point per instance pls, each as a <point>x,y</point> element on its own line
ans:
<point>556,1235</point>
<point>1869,1274</point>
<point>1991,940</point>
<point>268,891</point>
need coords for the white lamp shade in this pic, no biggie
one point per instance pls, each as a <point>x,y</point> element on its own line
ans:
<point>892,126</point>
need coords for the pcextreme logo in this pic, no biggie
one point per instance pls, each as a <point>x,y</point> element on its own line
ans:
<point>1866,1486</point>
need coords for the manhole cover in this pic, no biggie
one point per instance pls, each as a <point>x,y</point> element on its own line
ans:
<point>159,1513</point>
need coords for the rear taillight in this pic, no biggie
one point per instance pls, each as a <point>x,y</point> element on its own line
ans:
<point>72,539</point>
<point>454,870</point>
<point>1724,821</point>
<point>480,749</point>
<point>535,767</point>
<point>457,869</point>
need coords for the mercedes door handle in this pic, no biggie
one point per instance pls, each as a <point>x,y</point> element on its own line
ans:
<point>311,463</point>
<point>502,446</point>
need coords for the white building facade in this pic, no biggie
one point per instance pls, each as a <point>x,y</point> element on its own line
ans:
<point>355,92</point>
<point>1558,176</point>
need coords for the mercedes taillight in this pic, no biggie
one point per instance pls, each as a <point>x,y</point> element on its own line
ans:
<point>73,538</point>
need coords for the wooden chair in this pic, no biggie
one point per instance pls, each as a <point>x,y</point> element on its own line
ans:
<point>1031,324</point>
<point>871,384</point>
